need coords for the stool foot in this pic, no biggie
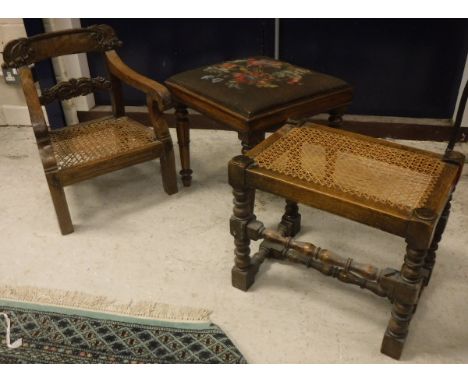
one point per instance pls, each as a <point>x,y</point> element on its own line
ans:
<point>186,176</point>
<point>392,346</point>
<point>290,224</point>
<point>335,118</point>
<point>243,278</point>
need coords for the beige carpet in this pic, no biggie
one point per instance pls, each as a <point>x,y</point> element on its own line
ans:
<point>133,242</point>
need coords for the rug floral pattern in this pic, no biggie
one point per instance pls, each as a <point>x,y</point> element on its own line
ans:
<point>258,72</point>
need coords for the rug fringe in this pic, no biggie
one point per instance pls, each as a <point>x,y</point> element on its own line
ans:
<point>80,300</point>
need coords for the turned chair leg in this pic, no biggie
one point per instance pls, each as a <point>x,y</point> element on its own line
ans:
<point>243,272</point>
<point>430,259</point>
<point>290,224</point>
<point>183,139</point>
<point>335,118</point>
<point>60,204</point>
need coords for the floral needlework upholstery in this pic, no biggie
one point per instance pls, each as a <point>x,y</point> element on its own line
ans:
<point>259,72</point>
<point>251,86</point>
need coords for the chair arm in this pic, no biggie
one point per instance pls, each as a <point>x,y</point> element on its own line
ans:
<point>152,88</point>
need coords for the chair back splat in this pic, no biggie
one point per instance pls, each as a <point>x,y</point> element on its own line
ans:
<point>23,52</point>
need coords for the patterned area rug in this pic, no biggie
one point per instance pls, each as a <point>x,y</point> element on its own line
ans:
<point>58,334</point>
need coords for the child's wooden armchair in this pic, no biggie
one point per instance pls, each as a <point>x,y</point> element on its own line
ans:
<point>86,150</point>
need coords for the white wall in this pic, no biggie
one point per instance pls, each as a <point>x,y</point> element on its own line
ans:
<point>71,66</point>
<point>13,110</point>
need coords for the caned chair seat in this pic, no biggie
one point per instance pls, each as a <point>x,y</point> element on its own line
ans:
<point>100,140</point>
<point>334,167</point>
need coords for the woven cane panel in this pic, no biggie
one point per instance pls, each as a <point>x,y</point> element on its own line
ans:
<point>96,141</point>
<point>367,170</point>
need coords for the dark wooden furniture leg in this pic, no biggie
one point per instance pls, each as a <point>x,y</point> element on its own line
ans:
<point>183,139</point>
<point>251,139</point>
<point>290,224</point>
<point>243,272</point>
<point>167,159</point>
<point>430,259</point>
<point>407,296</point>
<point>60,204</point>
<point>335,118</point>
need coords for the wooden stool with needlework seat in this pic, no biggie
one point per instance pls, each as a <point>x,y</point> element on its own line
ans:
<point>398,189</point>
<point>251,96</point>
<point>76,153</point>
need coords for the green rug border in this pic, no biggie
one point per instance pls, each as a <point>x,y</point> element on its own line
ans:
<point>107,315</point>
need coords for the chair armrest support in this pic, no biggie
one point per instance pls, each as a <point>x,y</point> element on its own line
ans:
<point>156,115</point>
<point>152,88</point>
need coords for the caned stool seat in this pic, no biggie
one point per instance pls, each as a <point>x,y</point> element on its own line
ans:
<point>253,95</point>
<point>354,172</point>
<point>398,189</point>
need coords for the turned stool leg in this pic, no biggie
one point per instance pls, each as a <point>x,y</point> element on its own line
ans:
<point>397,328</point>
<point>243,272</point>
<point>251,139</point>
<point>335,118</point>
<point>183,139</point>
<point>406,298</point>
<point>290,223</point>
<point>429,262</point>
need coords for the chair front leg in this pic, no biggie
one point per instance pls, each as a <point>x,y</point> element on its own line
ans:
<point>167,160</point>
<point>168,172</point>
<point>60,203</point>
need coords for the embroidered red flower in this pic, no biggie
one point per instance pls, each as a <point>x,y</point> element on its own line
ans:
<point>258,72</point>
